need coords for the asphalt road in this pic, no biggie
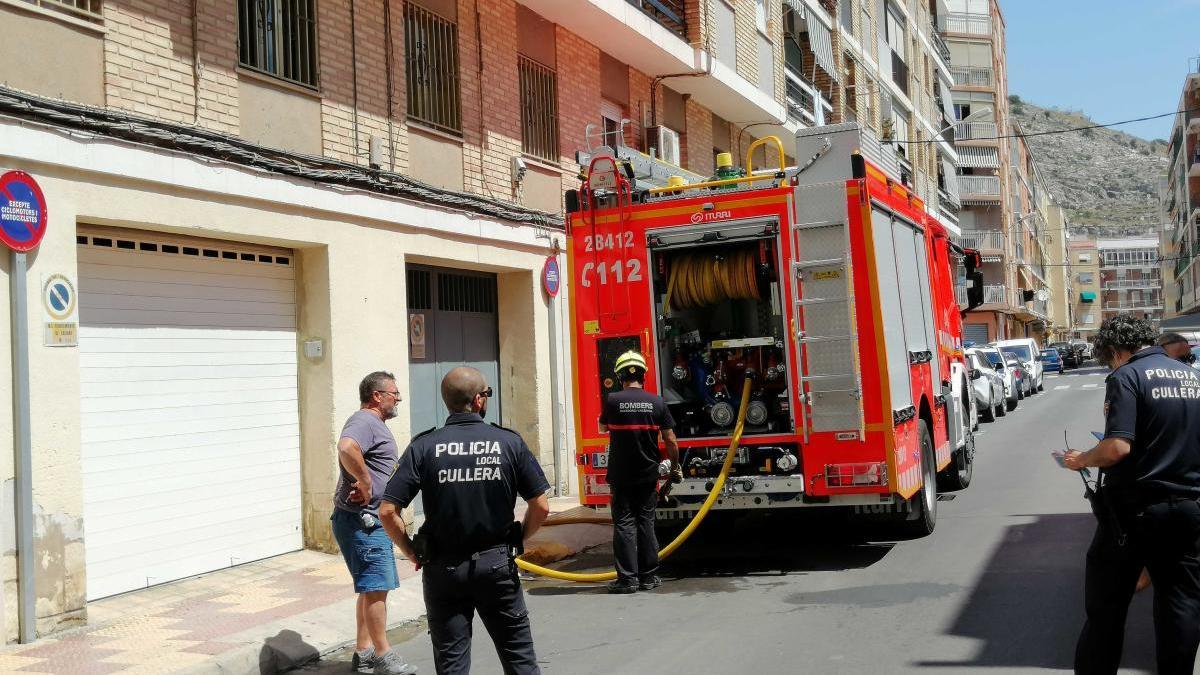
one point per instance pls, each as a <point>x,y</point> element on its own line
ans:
<point>998,587</point>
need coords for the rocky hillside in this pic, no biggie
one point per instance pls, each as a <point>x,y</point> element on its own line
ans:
<point>1106,179</point>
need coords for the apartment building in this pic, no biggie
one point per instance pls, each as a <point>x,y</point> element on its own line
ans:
<point>258,203</point>
<point>1060,280</point>
<point>974,33</point>
<point>1131,278</point>
<point>1085,275</point>
<point>1181,202</point>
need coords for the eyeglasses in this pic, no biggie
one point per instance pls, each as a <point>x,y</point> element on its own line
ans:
<point>393,394</point>
<point>1188,358</point>
<point>486,393</point>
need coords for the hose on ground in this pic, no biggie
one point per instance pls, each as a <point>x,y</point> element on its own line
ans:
<point>713,495</point>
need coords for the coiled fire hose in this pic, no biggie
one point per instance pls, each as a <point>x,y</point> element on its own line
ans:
<point>697,280</point>
<point>713,495</point>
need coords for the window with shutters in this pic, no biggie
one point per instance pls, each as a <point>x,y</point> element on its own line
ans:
<point>431,54</point>
<point>279,38</point>
<point>539,109</point>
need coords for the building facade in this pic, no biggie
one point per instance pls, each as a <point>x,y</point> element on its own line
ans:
<point>1059,270</point>
<point>1085,274</point>
<point>1181,202</point>
<point>259,203</point>
<point>1131,278</point>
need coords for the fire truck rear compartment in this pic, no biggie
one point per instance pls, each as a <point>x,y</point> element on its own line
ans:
<point>720,313</point>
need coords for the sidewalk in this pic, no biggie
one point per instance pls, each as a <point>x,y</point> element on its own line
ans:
<point>247,620</point>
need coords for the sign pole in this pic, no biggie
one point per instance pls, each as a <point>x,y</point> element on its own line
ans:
<point>18,302</point>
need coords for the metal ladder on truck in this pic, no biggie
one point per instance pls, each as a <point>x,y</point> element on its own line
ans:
<point>825,330</point>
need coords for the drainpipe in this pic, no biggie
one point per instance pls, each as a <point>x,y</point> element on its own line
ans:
<point>26,606</point>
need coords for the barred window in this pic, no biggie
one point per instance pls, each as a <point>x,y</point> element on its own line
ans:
<point>279,38</point>
<point>539,109</point>
<point>431,52</point>
<point>88,10</point>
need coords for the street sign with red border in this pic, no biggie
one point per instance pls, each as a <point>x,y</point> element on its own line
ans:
<point>22,211</point>
<point>551,279</point>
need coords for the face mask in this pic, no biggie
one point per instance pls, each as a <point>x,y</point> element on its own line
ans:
<point>483,409</point>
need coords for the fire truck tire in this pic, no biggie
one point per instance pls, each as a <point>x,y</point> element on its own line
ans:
<point>922,514</point>
<point>958,473</point>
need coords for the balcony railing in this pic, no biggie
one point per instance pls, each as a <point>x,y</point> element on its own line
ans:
<point>996,294</point>
<point>1144,305</point>
<point>803,100</point>
<point>972,76</point>
<point>980,185</point>
<point>939,44</point>
<point>1118,284</point>
<point>969,23</point>
<point>984,241</point>
<point>969,131</point>
<point>670,14</point>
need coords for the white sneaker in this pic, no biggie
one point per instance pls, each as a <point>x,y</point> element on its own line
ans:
<point>391,663</point>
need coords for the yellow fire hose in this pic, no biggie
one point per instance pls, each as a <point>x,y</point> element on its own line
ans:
<point>713,494</point>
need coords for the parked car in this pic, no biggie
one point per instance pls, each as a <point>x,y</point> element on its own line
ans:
<point>1026,350</point>
<point>988,386</point>
<point>1012,384</point>
<point>1070,355</point>
<point>1022,375</point>
<point>1052,360</point>
<point>1084,346</point>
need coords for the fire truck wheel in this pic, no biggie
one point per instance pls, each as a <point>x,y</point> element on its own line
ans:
<point>922,513</point>
<point>958,473</point>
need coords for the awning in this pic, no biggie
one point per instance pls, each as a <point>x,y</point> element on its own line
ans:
<point>822,45</point>
<point>1087,296</point>
<point>947,100</point>
<point>978,157</point>
<point>1184,322</point>
<point>950,179</point>
<point>796,6</point>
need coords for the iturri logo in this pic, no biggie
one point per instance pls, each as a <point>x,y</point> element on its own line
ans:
<point>710,216</point>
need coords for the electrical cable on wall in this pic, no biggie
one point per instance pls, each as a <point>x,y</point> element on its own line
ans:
<point>214,145</point>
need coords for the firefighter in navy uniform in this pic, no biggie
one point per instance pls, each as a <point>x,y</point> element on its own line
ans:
<point>469,474</point>
<point>633,419</point>
<point>1147,503</point>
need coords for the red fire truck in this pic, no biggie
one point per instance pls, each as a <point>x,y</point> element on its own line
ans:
<point>829,280</point>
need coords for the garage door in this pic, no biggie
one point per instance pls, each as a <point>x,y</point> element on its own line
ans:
<point>976,333</point>
<point>191,458</point>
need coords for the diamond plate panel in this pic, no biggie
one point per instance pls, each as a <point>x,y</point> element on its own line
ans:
<point>821,204</point>
<point>826,320</point>
<point>834,411</point>
<point>828,358</point>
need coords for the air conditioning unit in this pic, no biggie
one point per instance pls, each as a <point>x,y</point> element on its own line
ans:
<point>663,143</point>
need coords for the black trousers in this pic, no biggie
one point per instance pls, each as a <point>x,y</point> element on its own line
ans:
<point>488,584</point>
<point>634,544</point>
<point>1165,539</point>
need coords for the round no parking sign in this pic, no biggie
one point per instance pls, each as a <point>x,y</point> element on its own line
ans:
<point>22,211</point>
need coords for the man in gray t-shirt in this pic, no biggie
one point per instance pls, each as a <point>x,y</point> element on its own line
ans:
<point>366,459</point>
<point>379,454</point>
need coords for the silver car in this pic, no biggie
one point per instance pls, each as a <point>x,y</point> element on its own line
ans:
<point>988,386</point>
<point>1012,383</point>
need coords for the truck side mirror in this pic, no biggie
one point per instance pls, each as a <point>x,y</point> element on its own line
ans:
<point>975,374</point>
<point>974,289</point>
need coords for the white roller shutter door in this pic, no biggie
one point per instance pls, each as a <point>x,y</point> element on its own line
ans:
<point>190,423</point>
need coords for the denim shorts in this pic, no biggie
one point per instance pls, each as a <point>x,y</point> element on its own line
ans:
<point>368,553</point>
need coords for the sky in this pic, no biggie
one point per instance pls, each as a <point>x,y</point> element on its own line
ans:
<point>1112,59</point>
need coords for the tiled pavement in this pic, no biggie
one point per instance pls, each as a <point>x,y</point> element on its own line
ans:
<point>300,603</point>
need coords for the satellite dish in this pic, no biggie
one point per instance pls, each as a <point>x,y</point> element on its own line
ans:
<point>1042,295</point>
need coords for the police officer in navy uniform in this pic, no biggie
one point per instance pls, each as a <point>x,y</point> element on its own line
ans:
<point>470,474</point>
<point>1149,462</point>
